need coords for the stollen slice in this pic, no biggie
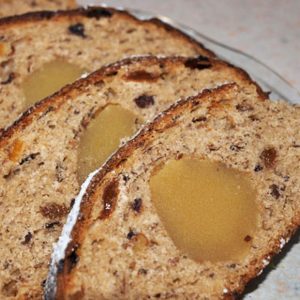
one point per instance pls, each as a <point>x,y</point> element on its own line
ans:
<point>40,52</point>
<point>193,207</point>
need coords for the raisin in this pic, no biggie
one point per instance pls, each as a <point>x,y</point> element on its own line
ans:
<point>136,205</point>
<point>268,157</point>
<point>77,29</point>
<point>54,210</point>
<point>52,224</point>
<point>274,191</point>
<point>130,234</point>
<point>144,101</point>
<point>247,238</point>
<point>109,198</point>
<point>27,238</point>
<point>29,158</point>
<point>200,63</point>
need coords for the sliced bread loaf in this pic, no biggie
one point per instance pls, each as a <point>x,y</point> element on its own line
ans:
<point>120,248</point>
<point>42,51</point>
<point>39,153</point>
<point>17,7</point>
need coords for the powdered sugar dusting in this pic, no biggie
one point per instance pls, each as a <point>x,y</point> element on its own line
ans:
<point>60,247</point>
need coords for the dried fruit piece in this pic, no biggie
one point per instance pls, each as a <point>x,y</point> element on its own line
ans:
<point>268,157</point>
<point>16,150</point>
<point>53,210</point>
<point>77,29</point>
<point>136,205</point>
<point>109,198</point>
<point>144,101</point>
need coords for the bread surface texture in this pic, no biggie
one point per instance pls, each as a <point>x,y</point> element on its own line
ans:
<point>17,7</point>
<point>38,154</point>
<point>235,128</point>
<point>88,38</point>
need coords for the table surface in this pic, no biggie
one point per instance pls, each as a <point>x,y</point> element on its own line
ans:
<point>270,31</point>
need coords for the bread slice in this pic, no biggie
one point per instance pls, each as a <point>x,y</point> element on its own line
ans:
<point>87,38</point>
<point>17,7</point>
<point>38,154</point>
<point>227,125</point>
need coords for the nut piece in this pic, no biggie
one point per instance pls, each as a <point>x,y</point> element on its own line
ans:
<point>268,157</point>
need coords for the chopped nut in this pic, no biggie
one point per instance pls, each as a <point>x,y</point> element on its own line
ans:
<point>268,157</point>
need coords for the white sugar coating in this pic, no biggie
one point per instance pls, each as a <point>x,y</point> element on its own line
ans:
<point>282,242</point>
<point>265,262</point>
<point>60,247</point>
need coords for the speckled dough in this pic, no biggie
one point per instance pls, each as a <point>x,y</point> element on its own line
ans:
<point>239,130</point>
<point>106,35</point>
<point>38,154</point>
<point>16,7</point>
